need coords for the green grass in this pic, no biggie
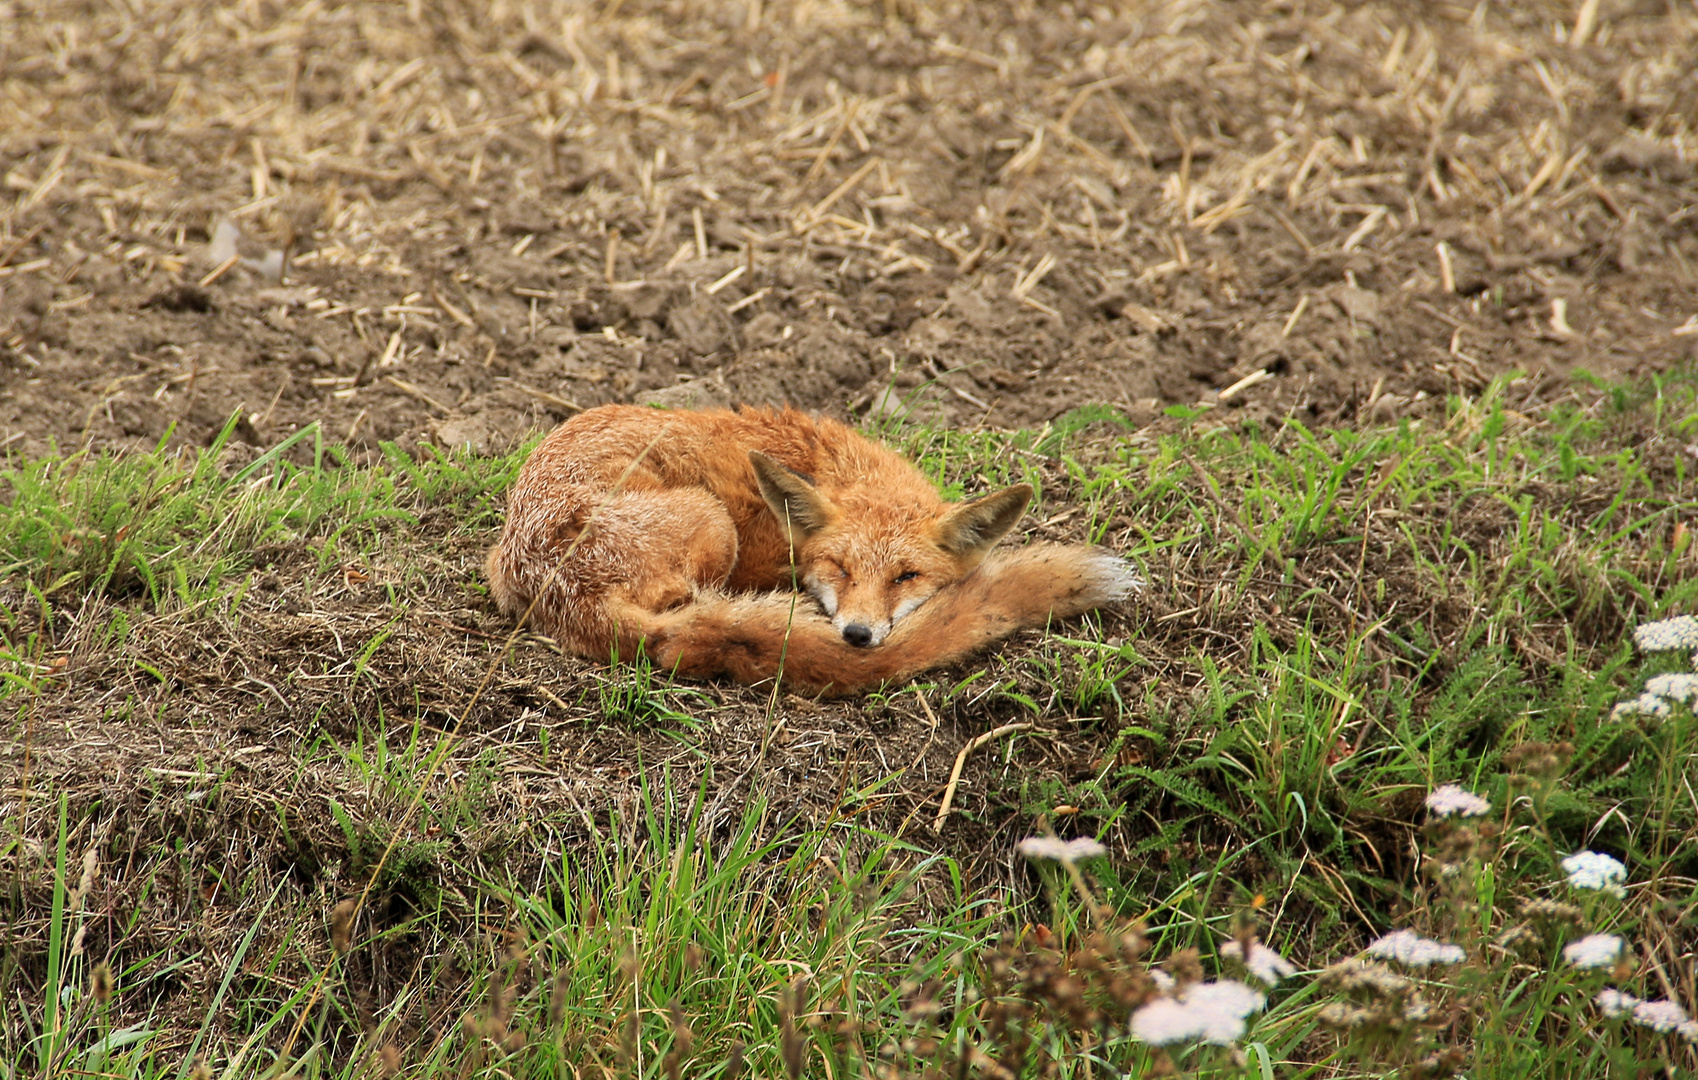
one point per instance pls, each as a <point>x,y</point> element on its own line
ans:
<point>178,527</point>
<point>1338,622</point>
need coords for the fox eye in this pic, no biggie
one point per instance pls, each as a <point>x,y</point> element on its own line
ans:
<point>906,575</point>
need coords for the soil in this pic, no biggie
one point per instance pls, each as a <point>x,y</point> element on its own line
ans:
<point>447,223</point>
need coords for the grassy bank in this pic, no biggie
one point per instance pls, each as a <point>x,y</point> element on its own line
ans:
<point>284,795</point>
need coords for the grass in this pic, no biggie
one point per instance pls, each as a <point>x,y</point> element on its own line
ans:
<point>1339,621</point>
<point>177,527</point>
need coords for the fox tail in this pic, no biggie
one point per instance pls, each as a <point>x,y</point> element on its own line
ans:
<point>755,638</point>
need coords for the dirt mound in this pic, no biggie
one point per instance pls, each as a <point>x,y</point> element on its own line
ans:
<point>458,225</point>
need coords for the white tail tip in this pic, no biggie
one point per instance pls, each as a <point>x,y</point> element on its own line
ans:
<point>1116,578</point>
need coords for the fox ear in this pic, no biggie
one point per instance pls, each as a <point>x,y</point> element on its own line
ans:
<point>973,528</point>
<point>800,509</point>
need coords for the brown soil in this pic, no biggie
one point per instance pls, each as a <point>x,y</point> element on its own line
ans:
<point>988,213</point>
<point>1025,208</point>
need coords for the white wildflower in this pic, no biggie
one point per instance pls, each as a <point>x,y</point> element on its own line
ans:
<point>1595,870</point>
<point>1222,1007</point>
<point>1593,951</point>
<point>1058,850</point>
<point>1662,1016</point>
<point>1163,1022</point>
<point>1164,982</point>
<point>1661,694</point>
<point>1644,705</point>
<point>1614,1003</point>
<point>1411,949</point>
<point>1688,1030</point>
<point>1266,965</point>
<point>1680,632</point>
<point>1451,799</point>
<point>1206,1012</point>
<point>1678,686</point>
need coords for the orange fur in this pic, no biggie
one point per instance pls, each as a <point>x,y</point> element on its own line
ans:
<point>685,534</point>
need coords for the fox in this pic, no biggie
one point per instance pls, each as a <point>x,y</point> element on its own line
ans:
<point>764,544</point>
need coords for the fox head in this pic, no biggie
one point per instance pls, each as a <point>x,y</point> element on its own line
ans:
<point>868,572</point>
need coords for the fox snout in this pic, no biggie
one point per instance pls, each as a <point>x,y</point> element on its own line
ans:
<point>862,628</point>
<point>860,622</point>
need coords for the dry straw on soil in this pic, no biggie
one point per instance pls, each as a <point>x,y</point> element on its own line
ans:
<point>494,216</point>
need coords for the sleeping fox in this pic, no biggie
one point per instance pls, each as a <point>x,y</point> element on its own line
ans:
<point>688,536</point>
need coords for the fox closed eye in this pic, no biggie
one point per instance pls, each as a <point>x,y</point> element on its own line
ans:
<point>906,575</point>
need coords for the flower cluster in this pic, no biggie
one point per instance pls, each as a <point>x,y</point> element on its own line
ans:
<point>1593,951</point>
<point>1542,910</point>
<point>1055,849</point>
<point>1263,964</point>
<point>1646,704</point>
<point>1451,800</point>
<point>1680,632</point>
<point>1596,871</point>
<point>1660,1016</point>
<point>1211,1012</point>
<point>1663,692</point>
<point>1614,1004</point>
<point>1412,950</point>
<point>1664,1017</point>
<point>1677,686</point>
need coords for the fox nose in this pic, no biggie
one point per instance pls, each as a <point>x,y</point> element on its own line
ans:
<point>858,635</point>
